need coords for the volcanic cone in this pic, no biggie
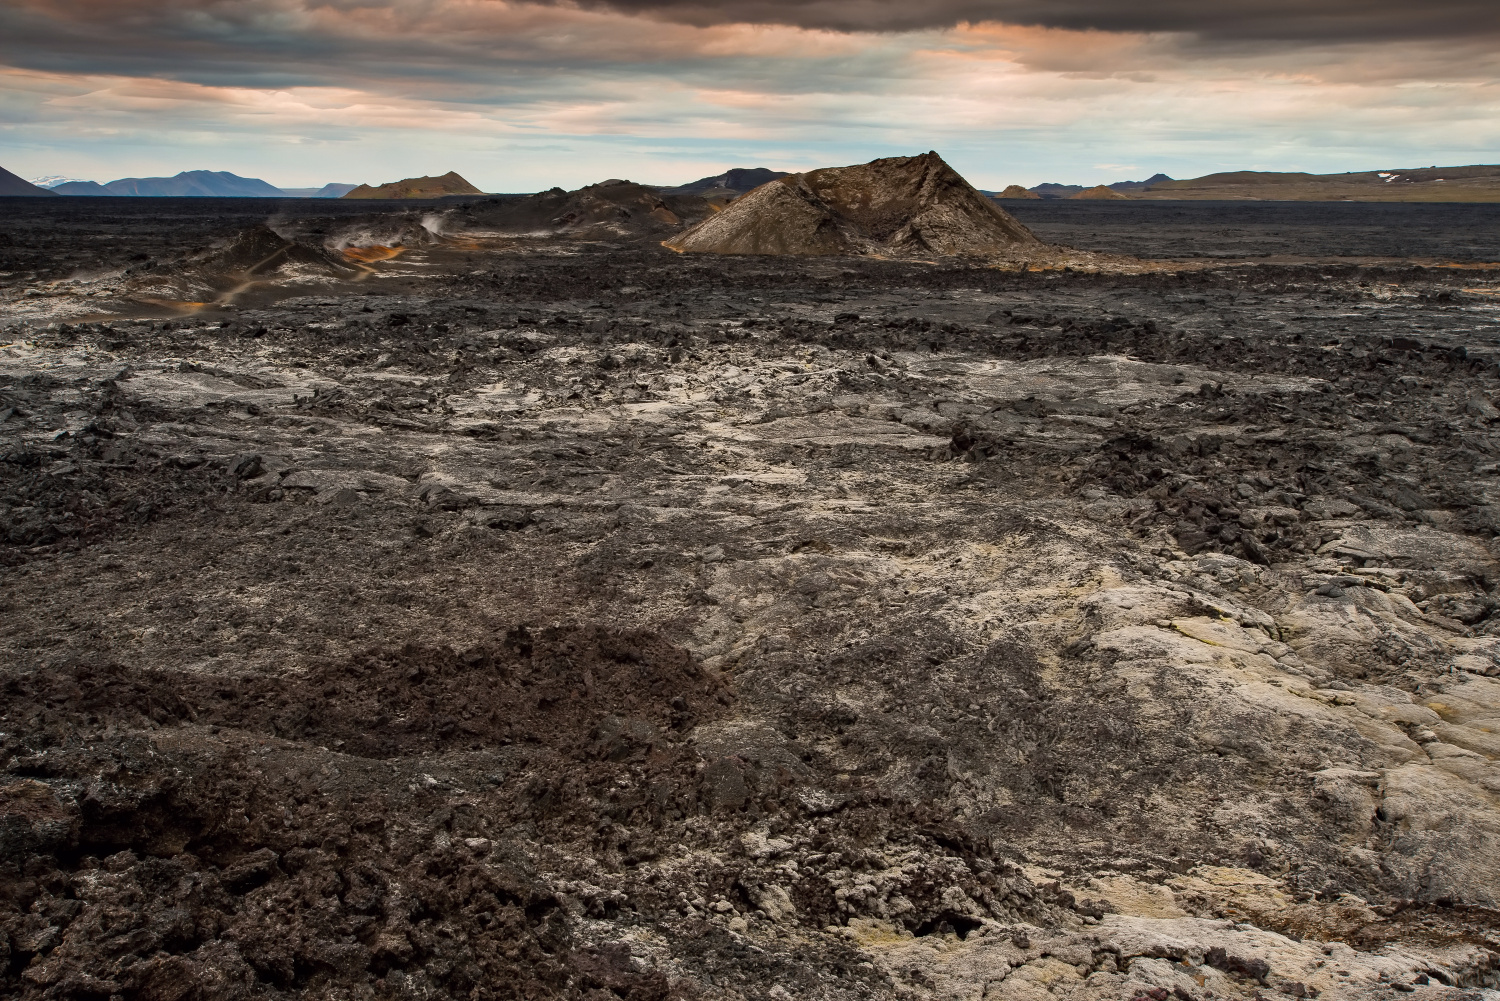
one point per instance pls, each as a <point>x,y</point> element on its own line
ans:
<point>898,206</point>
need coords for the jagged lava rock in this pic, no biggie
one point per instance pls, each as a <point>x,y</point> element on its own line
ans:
<point>889,207</point>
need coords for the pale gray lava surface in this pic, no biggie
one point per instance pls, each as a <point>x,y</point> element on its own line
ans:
<point>583,620</point>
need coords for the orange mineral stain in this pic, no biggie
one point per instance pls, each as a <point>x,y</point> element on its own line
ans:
<point>368,255</point>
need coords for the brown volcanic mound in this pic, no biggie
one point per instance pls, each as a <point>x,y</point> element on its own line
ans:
<point>895,206</point>
<point>1016,191</point>
<point>1101,193</point>
<point>418,187</point>
<point>608,210</point>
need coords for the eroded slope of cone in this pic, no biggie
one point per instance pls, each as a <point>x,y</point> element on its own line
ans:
<point>776,218</point>
<point>896,205</point>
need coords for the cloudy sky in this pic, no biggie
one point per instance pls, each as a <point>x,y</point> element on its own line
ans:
<point>520,96</point>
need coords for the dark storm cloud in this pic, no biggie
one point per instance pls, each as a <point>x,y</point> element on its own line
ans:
<point>1216,20</point>
<point>465,51</point>
<point>279,43</point>
<point>496,53</point>
<point>495,46</point>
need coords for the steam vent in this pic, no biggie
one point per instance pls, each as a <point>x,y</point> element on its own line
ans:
<point>897,206</point>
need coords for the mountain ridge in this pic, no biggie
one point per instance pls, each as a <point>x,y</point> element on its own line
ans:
<point>15,186</point>
<point>721,189</point>
<point>193,184</point>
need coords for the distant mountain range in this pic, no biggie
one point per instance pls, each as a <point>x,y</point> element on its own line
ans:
<point>188,184</point>
<point>1474,183</point>
<point>52,180</point>
<point>1051,191</point>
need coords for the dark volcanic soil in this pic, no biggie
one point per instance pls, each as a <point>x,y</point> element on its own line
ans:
<point>584,620</point>
<point>1439,232</point>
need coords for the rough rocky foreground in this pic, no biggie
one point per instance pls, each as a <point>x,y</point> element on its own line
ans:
<point>597,622</point>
